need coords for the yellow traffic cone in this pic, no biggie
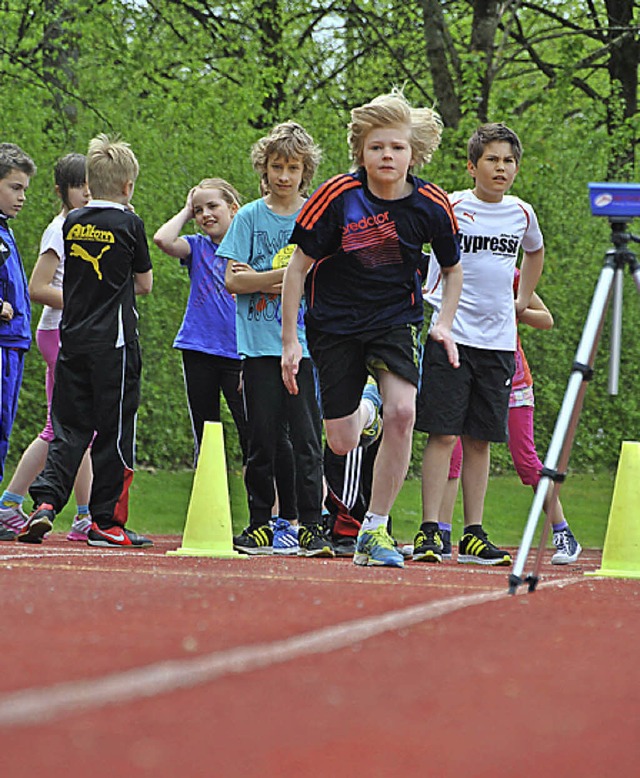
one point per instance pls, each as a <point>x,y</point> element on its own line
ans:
<point>207,531</point>
<point>621,552</point>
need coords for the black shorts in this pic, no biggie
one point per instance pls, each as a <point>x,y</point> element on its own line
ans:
<point>344,361</point>
<point>472,399</point>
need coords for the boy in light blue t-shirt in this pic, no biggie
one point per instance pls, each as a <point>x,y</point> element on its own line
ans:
<point>258,248</point>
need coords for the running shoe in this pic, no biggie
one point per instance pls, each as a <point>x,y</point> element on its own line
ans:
<point>13,517</point>
<point>427,544</point>
<point>6,534</point>
<point>39,523</point>
<point>567,547</point>
<point>255,540</point>
<point>314,542</point>
<point>116,536</point>
<point>445,537</point>
<point>372,432</point>
<point>476,548</point>
<point>80,527</point>
<point>343,545</point>
<point>285,537</point>
<point>376,548</point>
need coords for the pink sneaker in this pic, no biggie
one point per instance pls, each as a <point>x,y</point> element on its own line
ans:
<point>80,528</point>
<point>13,518</point>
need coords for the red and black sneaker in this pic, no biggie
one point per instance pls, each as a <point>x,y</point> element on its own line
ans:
<point>116,536</point>
<point>39,523</point>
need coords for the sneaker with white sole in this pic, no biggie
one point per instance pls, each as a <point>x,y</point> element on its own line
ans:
<point>13,517</point>
<point>254,540</point>
<point>80,527</point>
<point>376,548</point>
<point>116,536</point>
<point>567,547</point>
<point>38,525</point>
<point>475,548</point>
<point>285,538</point>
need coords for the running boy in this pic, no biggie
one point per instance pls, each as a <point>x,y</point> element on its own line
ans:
<point>258,247</point>
<point>16,171</point>
<point>473,401</point>
<point>359,260</point>
<point>98,370</point>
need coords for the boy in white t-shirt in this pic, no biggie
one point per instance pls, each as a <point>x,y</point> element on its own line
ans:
<point>472,401</point>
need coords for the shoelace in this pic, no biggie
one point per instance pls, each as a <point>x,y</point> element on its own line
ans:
<point>561,540</point>
<point>382,537</point>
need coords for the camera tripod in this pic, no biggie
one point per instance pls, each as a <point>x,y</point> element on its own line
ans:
<point>554,469</point>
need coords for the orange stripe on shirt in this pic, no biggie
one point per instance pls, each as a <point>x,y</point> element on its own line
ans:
<point>313,209</point>
<point>439,196</point>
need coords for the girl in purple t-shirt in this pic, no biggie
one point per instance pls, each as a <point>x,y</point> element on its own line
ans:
<point>207,335</point>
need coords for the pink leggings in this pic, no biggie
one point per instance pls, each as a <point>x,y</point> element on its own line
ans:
<point>49,344</point>
<point>521,445</point>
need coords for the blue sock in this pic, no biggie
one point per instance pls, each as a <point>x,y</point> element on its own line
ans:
<point>559,527</point>
<point>443,525</point>
<point>9,499</point>
<point>82,510</point>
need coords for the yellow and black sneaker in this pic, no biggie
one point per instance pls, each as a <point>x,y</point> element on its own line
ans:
<point>313,541</point>
<point>475,548</point>
<point>254,540</point>
<point>427,544</point>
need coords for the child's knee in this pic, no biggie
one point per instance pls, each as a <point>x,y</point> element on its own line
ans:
<point>400,417</point>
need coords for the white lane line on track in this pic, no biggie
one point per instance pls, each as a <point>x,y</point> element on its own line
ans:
<point>24,708</point>
<point>75,553</point>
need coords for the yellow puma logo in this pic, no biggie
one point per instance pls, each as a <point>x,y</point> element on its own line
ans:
<point>80,253</point>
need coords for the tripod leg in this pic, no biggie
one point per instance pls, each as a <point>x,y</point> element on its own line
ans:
<point>567,420</point>
<point>616,331</point>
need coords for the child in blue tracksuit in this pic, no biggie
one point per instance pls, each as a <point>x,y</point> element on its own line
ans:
<point>16,170</point>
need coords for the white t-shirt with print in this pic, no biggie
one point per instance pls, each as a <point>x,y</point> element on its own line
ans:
<point>491,235</point>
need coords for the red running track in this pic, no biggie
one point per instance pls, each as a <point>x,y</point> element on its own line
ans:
<point>125,663</point>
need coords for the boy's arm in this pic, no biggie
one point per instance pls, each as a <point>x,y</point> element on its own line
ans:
<point>167,237</point>
<point>143,282</point>
<point>240,278</point>
<point>40,289</point>
<point>441,330</point>
<point>292,290</point>
<point>530,272</point>
<point>537,314</point>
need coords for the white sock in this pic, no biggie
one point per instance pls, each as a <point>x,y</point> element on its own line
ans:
<point>371,411</point>
<point>372,521</point>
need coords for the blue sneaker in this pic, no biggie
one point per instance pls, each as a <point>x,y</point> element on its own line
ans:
<point>372,432</point>
<point>285,537</point>
<point>376,548</point>
<point>567,548</point>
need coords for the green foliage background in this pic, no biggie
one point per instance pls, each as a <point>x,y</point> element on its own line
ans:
<point>191,86</point>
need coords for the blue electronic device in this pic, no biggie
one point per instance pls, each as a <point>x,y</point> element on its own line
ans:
<point>617,201</point>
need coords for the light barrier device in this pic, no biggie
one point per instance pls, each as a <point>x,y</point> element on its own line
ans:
<point>616,201</point>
